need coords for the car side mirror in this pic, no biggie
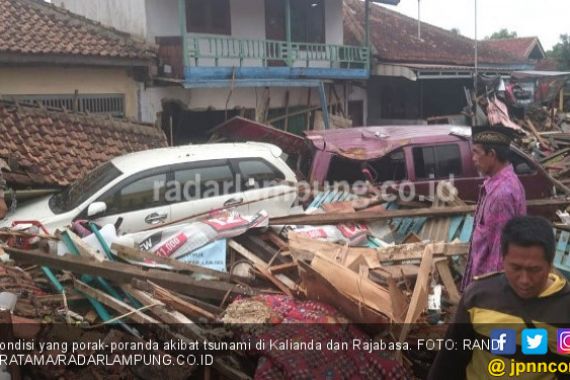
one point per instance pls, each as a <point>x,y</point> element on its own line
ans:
<point>96,208</point>
<point>250,182</point>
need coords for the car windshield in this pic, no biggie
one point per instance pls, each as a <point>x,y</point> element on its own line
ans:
<point>84,188</point>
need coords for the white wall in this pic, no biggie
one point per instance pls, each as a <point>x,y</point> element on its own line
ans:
<point>333,22</point>
<point>125,15</point>
<point>162,19</point>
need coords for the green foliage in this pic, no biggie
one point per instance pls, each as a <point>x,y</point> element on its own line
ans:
<point>561,52</point>
<point>502,34</point>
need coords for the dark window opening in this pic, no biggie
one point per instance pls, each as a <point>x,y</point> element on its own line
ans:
<point>343,169</point>
<point>307,20</point>
<point>208,16</point>
<point>437,162</point>
<point>391,167</point>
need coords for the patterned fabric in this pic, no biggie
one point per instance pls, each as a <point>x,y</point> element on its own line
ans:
<point>501,198</point>
<point>312,322</point>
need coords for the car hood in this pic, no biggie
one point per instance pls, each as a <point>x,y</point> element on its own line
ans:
<point>35,210</point>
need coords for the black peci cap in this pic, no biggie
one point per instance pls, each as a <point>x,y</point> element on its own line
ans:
<point>497,134</point>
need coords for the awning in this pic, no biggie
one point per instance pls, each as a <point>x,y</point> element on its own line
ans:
<point>415,71</point>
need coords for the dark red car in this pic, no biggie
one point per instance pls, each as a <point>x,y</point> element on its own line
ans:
<point>422,155</point>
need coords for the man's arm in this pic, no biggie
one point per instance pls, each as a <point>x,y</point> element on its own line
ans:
<point>452,364</point>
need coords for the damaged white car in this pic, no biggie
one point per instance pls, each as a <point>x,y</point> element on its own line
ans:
<point>168,186</point>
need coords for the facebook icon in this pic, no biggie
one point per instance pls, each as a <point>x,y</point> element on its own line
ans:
<point>503,341</point>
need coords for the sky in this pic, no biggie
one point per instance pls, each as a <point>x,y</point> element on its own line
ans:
<point>546,19</point>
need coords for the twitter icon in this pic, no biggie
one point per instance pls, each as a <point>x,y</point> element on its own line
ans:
<point>534,341</point>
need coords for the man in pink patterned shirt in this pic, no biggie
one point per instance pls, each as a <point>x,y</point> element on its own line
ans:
<point>501,198</point>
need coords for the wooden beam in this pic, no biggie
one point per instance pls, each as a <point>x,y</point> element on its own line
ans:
<point>124,273</point>
<point>107,300</point>
<point>282,282</point>
<point>83,248</point>
<point>323,219</point>
<point>179,304</point>
<point>135,254</point>
<point>319,288</point>
<point>187,327</point>
<point>421,290</point>
<point>303,248</point>
<point>442,266</point>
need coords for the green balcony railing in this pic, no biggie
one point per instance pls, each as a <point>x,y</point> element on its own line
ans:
<point>209,50</point>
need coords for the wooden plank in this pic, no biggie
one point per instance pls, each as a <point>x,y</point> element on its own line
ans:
<point>442,266</point>
<point>360,289</point>
<point>303,248</point>
<point>418,303</point>
<point>319,288</point>
<point>124,273</point>
<point>282,282</point>
<point>282,267</point>
<point>113,303</point>
<point>138,255</point>
<point>179,304</point>
<point>364,216</point>
<point>276,239</point>
<point>187,327</point>
<point>84,249</point>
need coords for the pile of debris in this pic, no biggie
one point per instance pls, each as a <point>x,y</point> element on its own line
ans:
<point>337,289</point>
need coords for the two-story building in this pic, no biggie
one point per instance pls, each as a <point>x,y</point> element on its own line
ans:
<point>54,57</point>
<point>278,61</point>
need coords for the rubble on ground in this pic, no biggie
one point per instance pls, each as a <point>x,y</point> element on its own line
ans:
<point>275,282</point>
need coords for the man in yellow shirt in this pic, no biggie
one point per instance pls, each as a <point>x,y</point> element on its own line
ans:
<point>526,296</point>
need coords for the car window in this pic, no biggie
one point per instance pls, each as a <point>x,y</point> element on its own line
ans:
<point>424,162</point>
<point>437,162</point>
<point>261,171</point>
<point>391,167</point>
<point>205,182</point>
<point>141,194</point>
<point>343,169</point>
<point>84,188</point>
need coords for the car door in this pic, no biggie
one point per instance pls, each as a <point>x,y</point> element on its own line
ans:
<point>139,201</point>
<point>201,187</point>
<point>265,187</point>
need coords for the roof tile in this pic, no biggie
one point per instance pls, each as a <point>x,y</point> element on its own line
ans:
<point>394,37</point>
<point>38,143</point>
<point>37,27</point>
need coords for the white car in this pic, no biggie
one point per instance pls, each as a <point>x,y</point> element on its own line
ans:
<point>171,185</point>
